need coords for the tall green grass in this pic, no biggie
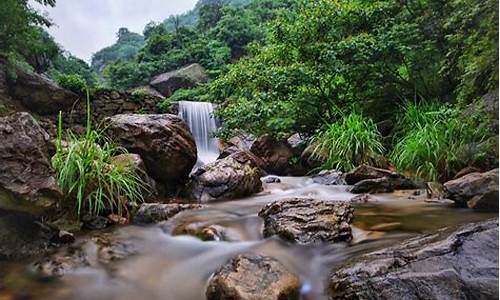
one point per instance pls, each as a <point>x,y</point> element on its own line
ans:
<point>85,172</point>
<point>433,141</point>
<point>350,142</point>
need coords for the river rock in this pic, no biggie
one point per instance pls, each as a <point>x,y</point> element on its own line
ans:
<point>382,185</point>
<point>308,221</point>
<point>329,177</point>
<point>184,78</point>
<point>205,232</point>
<point>98,250</point>
<point>39,94</point>
<point>27,179</point>
<point>271,179</point>
<point>465,171</point>
<point>163,141</point>
<point>277,156</point>
<point>253,277</point>
<point>237,175</point>
<point>368,172</point>
<point>156,212</point>
<point>475,190</point>
<point>450,264</point>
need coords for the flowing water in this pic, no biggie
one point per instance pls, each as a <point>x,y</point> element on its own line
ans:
<point>178,267</point>
<point>200,119</point>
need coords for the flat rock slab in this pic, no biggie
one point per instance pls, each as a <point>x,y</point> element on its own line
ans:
<point>155,212</point>
<point>382,185</point>
<point>450,264</point>
<point>308,221</point>
<point>253,277</point>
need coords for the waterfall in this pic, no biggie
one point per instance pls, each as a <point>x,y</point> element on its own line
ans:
<point>200,119</point>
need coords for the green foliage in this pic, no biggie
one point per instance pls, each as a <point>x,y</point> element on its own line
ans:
<point>67,64</point>
<point>348,143</point>
<point>85,172</point>
<point>437,141</point>
<point>165,106</point>
<point>73,82</point>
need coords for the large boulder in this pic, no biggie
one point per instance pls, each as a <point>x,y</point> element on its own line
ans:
<point>475,190</point>
<point>163,141</point>
<point>27,179</point>
<point>39,94</point>
<point>187,77</point>
<point>329,177</point>
<point>253,277</point>
<point>450,264</point>
<point>308,221</point>
<point>277,155</point>
<point>237,175</point>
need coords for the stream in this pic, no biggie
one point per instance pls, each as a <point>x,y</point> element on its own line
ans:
<point>178,267</point>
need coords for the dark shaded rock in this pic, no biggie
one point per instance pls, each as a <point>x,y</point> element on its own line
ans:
<point>382,185</point>
<point>23,236</point>
<point>310,161</point>
<point>253,277</point>
<point>277,156</point>
<point>297,143</point>
<point>134,162</point>
<point>187,77</point>
<point>156,212</point>
<point>97,251</point>
<point>368,172</point>
<point>475,190</point>
<point>27,179</point>
<point>306,221</point>
<point>40,94</point>
<point>228,151</point>
<point>329,177</point>
<point>271,179</point>
<point>237,175</point>
<point>163,141</point>
<point>450,264</point>
<point>95,222</point>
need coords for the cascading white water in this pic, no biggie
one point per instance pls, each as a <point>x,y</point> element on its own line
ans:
<point>200,119</point>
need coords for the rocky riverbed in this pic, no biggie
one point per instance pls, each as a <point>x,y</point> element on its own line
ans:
<point>215,250</point>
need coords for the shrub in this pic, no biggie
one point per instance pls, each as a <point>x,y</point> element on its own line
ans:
<point>73,82</point>
<point>350,142</point>
<point>85,172</point>
<point>165,106</point>
<point>436,141</point>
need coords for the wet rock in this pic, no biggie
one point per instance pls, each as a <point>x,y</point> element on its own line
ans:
<point>64,237</point>
<point>184,78</point>
<point>363,198</point>
<point>382,185</point>
<point>329,177</point>
<point>228,151</point>
<point>277,156</point>
<point>23,236</point>
<point>237,175</point>
<point>475,190</point>
<point>435,190</point>
<point>205,232</point>
<point>163,141</point>
<point>297,143</point>
<point>156,212</point>
<point>253,277</point>
<point>40,94</point>
<point>27,179</point>
<point>308,221</point>
<point>271,179</point>
<point>368,172</point>
<point>95,222</point>
<point>450,264</point>
<point>99,250</point>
